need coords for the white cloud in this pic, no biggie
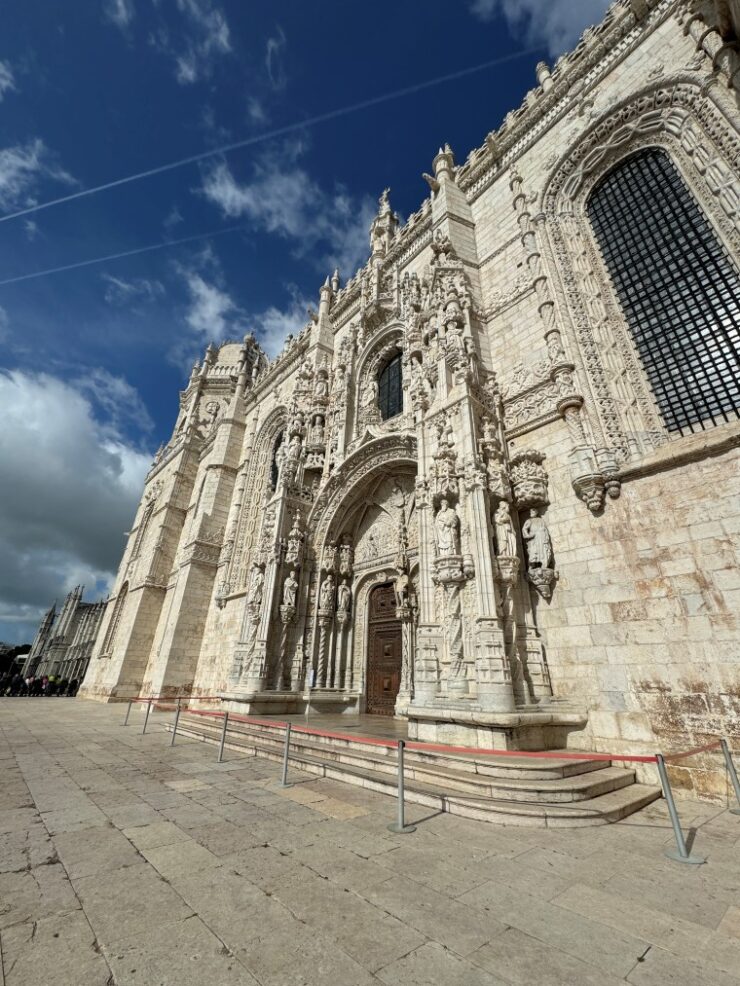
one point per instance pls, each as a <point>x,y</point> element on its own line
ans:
<point>283,199</point>
<point>211,309</point>
<point>21,168</point>
<point>121,292</point>
<point>71,484</point>
<point>172,219</point>
<point>114,396</point>
<point>31,229</point>
<point>256,111</point>
<point>272,326</point>
<point>557,24</point>
<point>201,36</point>
<point>7,80</point>
<point>119,12</point>
<point>275,59</point>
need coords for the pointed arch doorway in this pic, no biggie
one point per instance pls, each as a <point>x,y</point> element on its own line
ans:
<point>384,652</point>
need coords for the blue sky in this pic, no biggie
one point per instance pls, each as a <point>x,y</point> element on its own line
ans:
<point>91,359</point>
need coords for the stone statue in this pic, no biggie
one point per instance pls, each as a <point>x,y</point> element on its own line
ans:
<point>489,431</point>
<point>290,590</point>
<point>370,394</point>
<point>322,386</point>
<point>317,431</point>
<point>327,593</point>
<point>447,528</point>
<point>330,557</point>
<point>344,597</point>
<point>445,434</point>
<point>294,449</point>
<point>346,557</point>
<point>339,379</point>
<point>255,587</point>
<point>505,536</point>
<point>401,590</point>
<point>539,544</point>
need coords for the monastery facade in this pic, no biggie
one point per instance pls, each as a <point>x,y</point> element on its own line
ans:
<point>493,486</point>
<point>65,640</point>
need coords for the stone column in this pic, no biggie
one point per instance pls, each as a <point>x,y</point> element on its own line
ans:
<point>429,637</point>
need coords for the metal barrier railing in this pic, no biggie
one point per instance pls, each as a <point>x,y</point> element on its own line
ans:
<point>680,854</point>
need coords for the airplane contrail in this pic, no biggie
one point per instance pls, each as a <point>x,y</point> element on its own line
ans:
<point>269,135</point>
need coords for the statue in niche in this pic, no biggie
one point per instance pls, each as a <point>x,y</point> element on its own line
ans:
<point>322,385</point>
<point>489,431</point>
<point>326,600</point>
<point>445,434</point>
<point>305,377</point>
<point>505,536</point>
<point>339,379</point>
<point>344,598</point>
<point>401,590</point>
<point>447,528</point>
<point>317,431</point>
<point>346,557</point>
<point>256,585</point>
<point>294,450</point>
<point>539,543</point>
<point>290,590</point>
<point>330,557</point>
<point>370,393</point>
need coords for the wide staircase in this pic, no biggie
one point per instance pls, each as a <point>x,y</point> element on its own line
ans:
<point>509,790</point>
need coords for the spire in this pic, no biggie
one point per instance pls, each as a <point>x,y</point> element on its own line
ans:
<point>384,226</point>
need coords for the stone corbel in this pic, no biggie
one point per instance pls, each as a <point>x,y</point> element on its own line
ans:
<point>528,478</point>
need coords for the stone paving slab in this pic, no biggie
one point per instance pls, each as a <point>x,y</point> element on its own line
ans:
<point>124,860</point>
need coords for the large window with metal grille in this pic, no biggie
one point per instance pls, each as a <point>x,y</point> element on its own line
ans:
<point>678,287</point>
<point>390,390</point>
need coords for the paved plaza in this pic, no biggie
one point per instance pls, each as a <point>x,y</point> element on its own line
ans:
<point>125,861</point>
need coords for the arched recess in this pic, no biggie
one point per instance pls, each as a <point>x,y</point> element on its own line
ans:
<point>115,621</point>
<point>692,130</point>
<point>377,353</point>
<point>257,490</point>
<point>370,503</point>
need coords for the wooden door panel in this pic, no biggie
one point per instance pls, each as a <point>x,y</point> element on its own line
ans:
<point>384,653</point>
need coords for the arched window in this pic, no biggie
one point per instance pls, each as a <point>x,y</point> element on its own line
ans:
<point>143,525</point>
<point>390,391</point>
<point>110,634</point>
<point>274,468</point>
<point>678,287</point>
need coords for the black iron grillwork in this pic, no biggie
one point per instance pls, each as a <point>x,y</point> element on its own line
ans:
<point>390,390</point>
<point>678,287</point>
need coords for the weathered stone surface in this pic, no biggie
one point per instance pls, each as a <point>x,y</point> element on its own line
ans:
<point>534,520</point>
<point>345,901</point>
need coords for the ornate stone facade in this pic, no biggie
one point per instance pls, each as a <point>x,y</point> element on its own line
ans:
<point>64,641</point>
<point>562,565</point>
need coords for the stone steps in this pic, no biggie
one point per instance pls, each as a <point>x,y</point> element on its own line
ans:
<point>599,794</point>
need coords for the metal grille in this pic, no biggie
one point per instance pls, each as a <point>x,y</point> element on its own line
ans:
<point>678,287</point>
<point>390,392</point>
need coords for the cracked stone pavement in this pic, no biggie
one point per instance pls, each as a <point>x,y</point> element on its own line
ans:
<point>126,861</point>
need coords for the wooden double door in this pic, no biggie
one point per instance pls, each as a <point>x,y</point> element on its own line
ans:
<point>385,652</point>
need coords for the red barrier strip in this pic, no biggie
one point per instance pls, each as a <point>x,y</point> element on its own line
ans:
<point>412,745</point>
<point>690,753</point>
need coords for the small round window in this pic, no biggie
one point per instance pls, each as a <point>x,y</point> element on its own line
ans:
<point>390,391</point>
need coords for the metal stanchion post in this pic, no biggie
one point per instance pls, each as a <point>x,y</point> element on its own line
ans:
<point>128,713</point>
<point>286,751</point>
<point>681,854</point>
<point>223,738</point>
<point>177,719</point>
<point>146,717</point>
<point>400,826</point>
<point>733,775</point>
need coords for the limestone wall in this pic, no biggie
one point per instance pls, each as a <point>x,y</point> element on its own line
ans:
<point>641,629</point>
